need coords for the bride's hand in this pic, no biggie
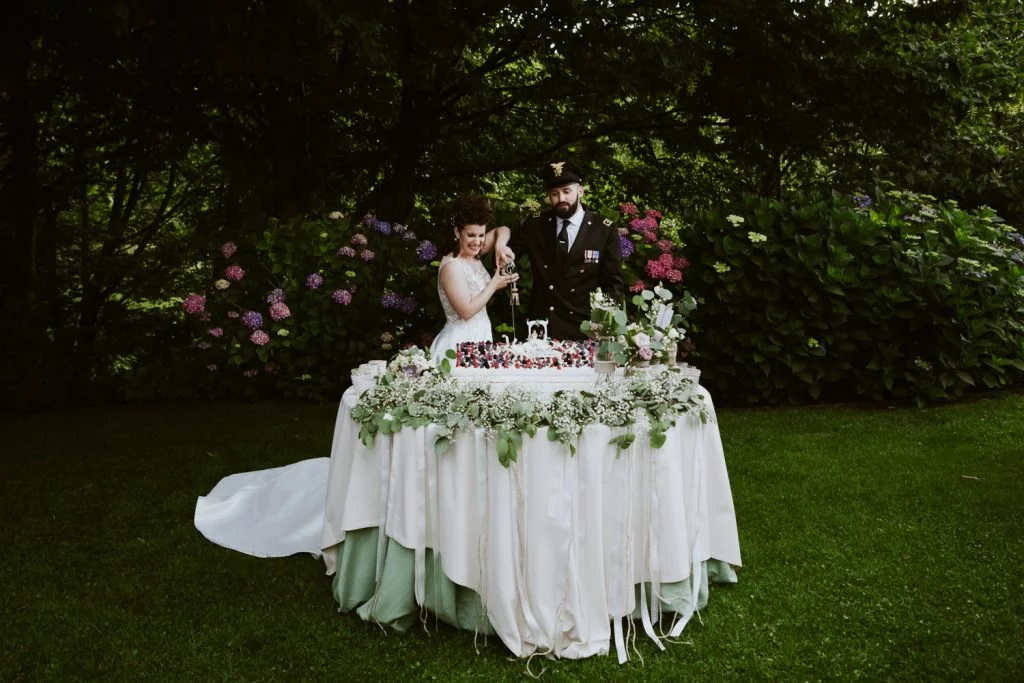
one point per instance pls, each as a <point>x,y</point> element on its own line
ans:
<point>502,281</point>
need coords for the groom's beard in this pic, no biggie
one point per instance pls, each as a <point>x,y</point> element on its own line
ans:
<point>566,210</point>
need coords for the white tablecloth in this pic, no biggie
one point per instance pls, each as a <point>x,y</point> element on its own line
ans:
<point>555,544</point>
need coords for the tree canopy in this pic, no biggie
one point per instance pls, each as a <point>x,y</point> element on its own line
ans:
<point>135,135</point>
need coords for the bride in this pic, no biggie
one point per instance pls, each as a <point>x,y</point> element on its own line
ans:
<point>463,284</point>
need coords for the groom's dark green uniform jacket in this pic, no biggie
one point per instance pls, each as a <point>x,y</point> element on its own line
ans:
<point>562,285</point>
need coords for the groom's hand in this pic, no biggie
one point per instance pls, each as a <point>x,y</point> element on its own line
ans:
<point>503,255</point>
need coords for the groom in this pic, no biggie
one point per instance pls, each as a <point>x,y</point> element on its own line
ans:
<point>572,251</point>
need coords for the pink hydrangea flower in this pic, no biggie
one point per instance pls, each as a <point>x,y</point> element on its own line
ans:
<point>314,280</point>
<point>347,251</point>
<point>228,249</point>
<point>342,296</point>
<point>645,352</point>
<point>234,272</point>
<point>216,332</point>
<point>638,286</point>
<point>653,213</point>
<point>259,338</point>
<point>359,239</point>
<point>252,372</point>
<point>665,245</point>
<point>628,209</point>
<point>673,275</point>
<point>680,263</point>
<point>367,255</point>
<point>194,304</point>
<point>280,311</point>
<point>368,219</point>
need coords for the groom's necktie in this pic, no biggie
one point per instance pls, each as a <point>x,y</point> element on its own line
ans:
<point>563,240</point>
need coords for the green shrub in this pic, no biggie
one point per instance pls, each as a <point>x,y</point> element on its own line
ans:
<point>841,297</point>
<point>352,293</point>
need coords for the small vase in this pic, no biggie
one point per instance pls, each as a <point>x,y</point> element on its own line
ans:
<point>671,353</point>
<point>604,367</point>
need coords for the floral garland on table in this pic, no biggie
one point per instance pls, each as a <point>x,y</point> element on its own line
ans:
<point>427,394</point>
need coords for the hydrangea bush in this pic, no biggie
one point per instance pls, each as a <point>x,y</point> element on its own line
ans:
<point>294,311</point>
<point>888,295</point>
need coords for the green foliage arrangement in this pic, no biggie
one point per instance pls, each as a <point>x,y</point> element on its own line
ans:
<point>900,296</point>
<point>406,397</point>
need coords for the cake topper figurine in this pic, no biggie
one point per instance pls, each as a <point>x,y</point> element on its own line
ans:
<point>540,325</point>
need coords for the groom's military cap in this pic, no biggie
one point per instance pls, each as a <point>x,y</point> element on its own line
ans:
<point>559,173</point>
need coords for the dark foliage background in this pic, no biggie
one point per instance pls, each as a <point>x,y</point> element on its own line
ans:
<point>137,137</point>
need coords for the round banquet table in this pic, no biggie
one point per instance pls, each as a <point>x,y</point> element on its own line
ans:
<point>551,554</point>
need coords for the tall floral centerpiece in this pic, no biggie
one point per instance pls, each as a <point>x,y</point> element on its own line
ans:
<point>652,335</point>
<point>659,328</point>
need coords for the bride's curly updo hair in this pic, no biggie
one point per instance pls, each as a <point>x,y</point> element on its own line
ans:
<point>467,209</point>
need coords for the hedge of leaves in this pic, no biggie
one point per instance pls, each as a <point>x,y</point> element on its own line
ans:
<point>892,296</point>
<point>826,296</point>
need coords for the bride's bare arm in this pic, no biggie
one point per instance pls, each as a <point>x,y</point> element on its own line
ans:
<point>456,288</point>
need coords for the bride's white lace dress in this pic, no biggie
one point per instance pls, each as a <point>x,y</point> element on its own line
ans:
<point>456,330</point>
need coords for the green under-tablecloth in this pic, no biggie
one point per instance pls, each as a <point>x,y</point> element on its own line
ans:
<point>393,603</point>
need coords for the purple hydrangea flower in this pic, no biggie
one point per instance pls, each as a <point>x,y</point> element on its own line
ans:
<point>347,251</point>
<point>252,319</point>
<point>408,305</point>
<point>276,296</point>
<point>626,246</point>
<point>862,200</point>
<point>390,300</point>
<point>426,251</point>
<point>314,280</point>
<point>1017,257</point>
<point>1016,238</point>
<point>342,296</point>
<point>368,219</point>
<point>382,227</point>
<point>367,255</point>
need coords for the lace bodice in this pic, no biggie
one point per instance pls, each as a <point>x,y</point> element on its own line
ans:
<point>477,279</point>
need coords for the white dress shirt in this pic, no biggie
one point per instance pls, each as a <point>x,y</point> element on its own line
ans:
<point>575,221</point>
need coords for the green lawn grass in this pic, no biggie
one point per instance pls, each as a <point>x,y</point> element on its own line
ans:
<point>877,542</point>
